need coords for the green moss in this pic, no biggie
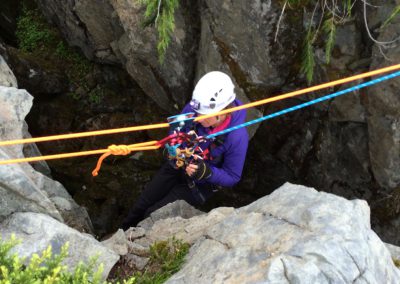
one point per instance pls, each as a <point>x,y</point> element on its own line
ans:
<point>33,33</point>
<point>37,39</point>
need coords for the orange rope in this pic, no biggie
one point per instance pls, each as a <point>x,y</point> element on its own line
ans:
<point>124,150</point>
<point>165,125</point>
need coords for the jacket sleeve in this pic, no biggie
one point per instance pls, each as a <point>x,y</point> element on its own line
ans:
<point>234,157</point>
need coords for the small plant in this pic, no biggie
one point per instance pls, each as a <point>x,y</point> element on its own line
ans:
<point>161,14</point>
<point>166,258</point>
<point>46,268</point>
<point>96,95</point>
<point>37,38</point>
<point>32,31</point>
<point>331,14</point>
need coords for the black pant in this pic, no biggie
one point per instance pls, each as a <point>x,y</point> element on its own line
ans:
<point>168,185</point>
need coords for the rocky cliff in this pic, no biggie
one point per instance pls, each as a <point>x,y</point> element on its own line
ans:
<point>348,146</point>
<point>296,234</point>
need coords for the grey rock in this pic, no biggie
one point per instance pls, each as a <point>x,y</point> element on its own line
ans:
<point>394,251</point>
<point>342,164</point>
<point>117,243</point>
<point>137,262</point>
<point>383,118</point>
<point>294,235</point>
<point>22,188</point>
<point>88,25</point>
<point>168,84</point>
<point>187,230</point>
<point>7,77</point>
<point>348,108</point>
<point>348,44</point>
<point>178,208</point>
<point>135,233</point>
<point>248,55</point>
<point>31,150</point>
<point>38,231</point>
<point>137,249</point>
<point>249,50</point>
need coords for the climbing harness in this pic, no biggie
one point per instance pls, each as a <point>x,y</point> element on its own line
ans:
<point>182,144</point>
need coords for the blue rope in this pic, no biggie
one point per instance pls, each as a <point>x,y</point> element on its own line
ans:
<point>303,105</point>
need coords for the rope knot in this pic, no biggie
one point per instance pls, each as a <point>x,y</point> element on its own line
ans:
<point>125,150</point>
<point>119,149</point>
<point>112,150</point>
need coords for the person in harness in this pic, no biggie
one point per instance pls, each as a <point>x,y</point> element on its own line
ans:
<point>223,158</point>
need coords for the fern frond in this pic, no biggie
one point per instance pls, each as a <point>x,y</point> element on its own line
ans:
<point>308,61</point>
<point>329,29</point>
<point>161,13</point>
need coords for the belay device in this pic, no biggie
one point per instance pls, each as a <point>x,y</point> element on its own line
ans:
<point>181,145</point>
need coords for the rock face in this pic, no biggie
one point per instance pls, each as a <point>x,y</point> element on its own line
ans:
<point>37,209</point>
<point>7,78</point>
<point>168,84</point>
<point>22,188</point>
<point>383,118</point>
<point>88,25</point>
<point>112,32</point>
<point>294,235</point>
<point>335,146</point>
<point>255,60</point>
<point>38,231</point>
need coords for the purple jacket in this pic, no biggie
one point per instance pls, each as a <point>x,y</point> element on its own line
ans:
<point>228,158</point>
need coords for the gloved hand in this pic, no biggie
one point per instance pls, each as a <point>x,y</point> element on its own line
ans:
<point>199,170</point>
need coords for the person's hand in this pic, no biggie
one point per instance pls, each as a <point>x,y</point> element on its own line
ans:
<point>198,171</point>
<point>191,169</point>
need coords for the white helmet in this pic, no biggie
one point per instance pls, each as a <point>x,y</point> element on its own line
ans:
<point>212,93</point>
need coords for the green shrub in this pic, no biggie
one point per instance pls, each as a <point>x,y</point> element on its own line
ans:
<point>166,257</point>
<point>46,268</point>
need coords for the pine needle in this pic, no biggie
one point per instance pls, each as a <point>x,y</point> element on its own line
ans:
<point>394,13</point>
